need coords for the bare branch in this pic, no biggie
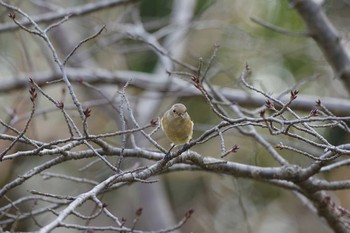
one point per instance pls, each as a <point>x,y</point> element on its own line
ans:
<point>326,36</point>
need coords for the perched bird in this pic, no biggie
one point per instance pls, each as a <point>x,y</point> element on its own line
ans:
<point>177,124</point>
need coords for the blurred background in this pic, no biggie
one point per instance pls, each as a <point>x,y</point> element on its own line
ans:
<point>188,30</point>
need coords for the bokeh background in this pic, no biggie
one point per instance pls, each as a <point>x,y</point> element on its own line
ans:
<point>221,203</point>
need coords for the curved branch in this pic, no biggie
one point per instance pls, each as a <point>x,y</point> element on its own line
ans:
<point>72,12</point>
<point>326,37</point>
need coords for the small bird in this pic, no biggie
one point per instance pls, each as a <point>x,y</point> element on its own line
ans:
<point>177,124</point>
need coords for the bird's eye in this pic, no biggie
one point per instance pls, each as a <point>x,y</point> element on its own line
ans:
<point>174,110</point>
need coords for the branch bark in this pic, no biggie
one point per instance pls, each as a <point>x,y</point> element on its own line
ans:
<point>326,37</point>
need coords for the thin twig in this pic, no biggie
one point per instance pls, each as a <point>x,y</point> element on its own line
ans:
<point>278,29</point>
<point>81,43</point>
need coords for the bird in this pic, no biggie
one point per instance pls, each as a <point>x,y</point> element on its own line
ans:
<point>177,125</point>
